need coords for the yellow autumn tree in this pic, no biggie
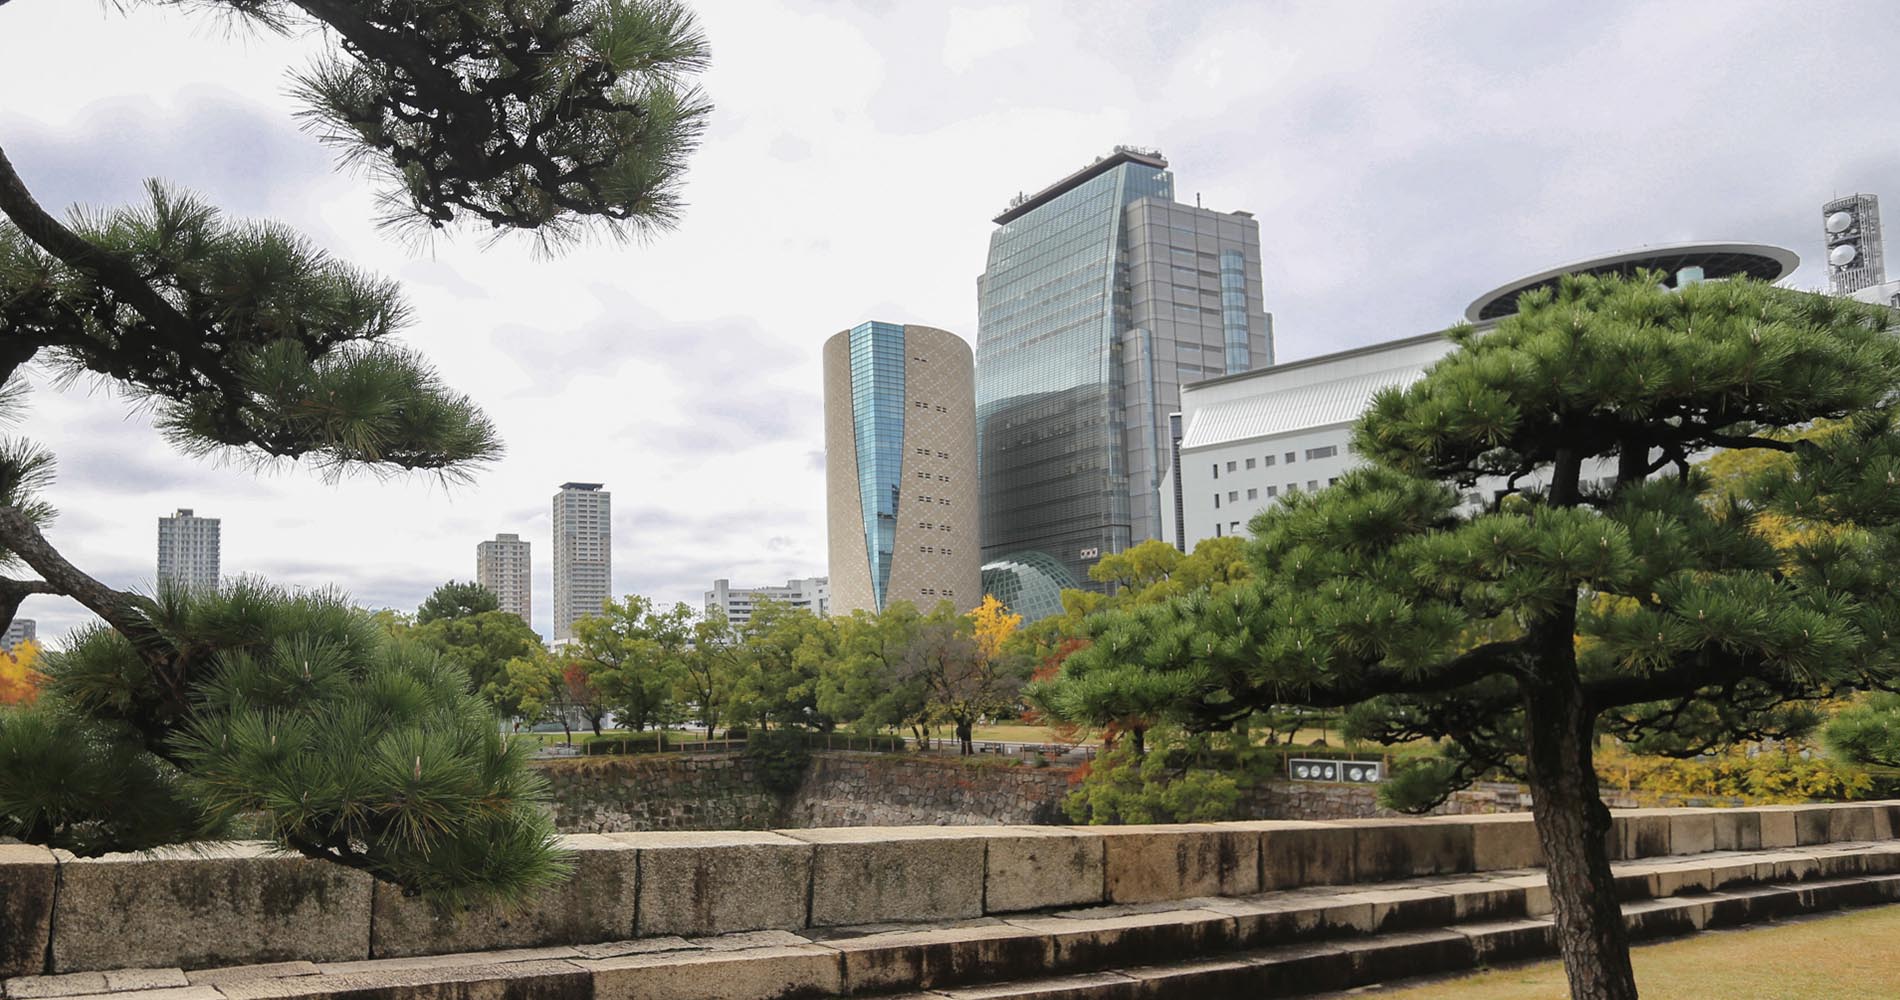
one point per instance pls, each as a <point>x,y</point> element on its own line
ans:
<point>19,682</point>
<point>993,624</point>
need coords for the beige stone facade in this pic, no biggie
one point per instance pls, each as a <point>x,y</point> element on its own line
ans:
<point>936,554</point>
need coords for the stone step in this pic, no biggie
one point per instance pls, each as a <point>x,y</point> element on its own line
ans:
<point>1348,934</point>
<point>1303,970</point>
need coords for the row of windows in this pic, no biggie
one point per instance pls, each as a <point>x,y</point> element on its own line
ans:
<point>945,501</point>
<point>1233,496</point>
<point>921,474</point>
<point>927,526</point>
<point>920,404</point>
<point>1312,455</point>
<point>932,592</point>
<point>936,550</point>
<point>926,453</point>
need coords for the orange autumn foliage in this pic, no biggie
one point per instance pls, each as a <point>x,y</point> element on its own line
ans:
<point>19,682</point>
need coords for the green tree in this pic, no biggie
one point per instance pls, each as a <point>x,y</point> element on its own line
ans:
<point>863,684</point>
<point>711,671</point>
<point>780,649</point>
<point>635,654</point>
<point>1600,593</point>
<point>532,685</point>
<point>480,645</point>
<point>962,683</point>
<point>247,342</point>
<point>1867,731</point>
<point>456,600</point>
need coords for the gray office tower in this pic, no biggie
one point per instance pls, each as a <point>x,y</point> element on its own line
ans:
<point>583,554</point>
<point>1102,296</point>
<point>1856,258</point>
<point>188,550</point>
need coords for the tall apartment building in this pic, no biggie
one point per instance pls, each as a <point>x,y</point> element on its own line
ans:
<point>900,468</point>
<point>22,630</point>
<point>583,554</point>
<point>502,565</point>
<point>813,594</point>
<point>1101,297</point>
<point>188,550</point>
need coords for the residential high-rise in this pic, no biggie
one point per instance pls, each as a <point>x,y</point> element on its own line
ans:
<point>1856,258</point>
<point>1101,296</point>
<point>813,594</point>
<point>583,554</point>
<point>900,468</point>
<point>188,550</point>
<point>22,630</point>
<point>502,565</point>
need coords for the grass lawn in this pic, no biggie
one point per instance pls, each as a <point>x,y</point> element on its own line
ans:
<point>1843,956</point>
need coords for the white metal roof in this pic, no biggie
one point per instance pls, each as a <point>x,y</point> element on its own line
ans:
<point>1295,408</point>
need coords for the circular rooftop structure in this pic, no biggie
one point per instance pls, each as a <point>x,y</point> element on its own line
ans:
<point>1761,261</point>
<point>1028,583</point>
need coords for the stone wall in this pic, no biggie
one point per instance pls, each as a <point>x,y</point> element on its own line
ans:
<point>862,789</point>
<point>240,904</point>
<point>714,791</point>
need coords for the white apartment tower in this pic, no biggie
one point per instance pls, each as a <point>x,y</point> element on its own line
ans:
<point>188,550</point>
<point>502,565</point>
<point>583,554</point>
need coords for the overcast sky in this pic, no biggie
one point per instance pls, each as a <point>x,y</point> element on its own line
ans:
<point>1402,158</point>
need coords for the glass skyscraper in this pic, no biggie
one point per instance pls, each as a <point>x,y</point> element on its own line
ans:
<point>1100,298</point>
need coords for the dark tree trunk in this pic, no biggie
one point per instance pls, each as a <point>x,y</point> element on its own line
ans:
<point>596,722</point>
<point>1573,825</point>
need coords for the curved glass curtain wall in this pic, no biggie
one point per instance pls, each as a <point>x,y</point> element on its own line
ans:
<point>1233,309</point>
<point>877,418</point>
<point>1028,583</point>
<point>1051,304</point>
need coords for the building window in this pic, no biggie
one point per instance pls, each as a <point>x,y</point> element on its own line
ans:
<point>1217,531</point>
<point>1250,463</point>
<point>1217,501</point>
<point>1233,528</point>
<point>1326,452</point>
<point>1230,466</point>
<point>1312,484</point>
<point>1216,470</point>
<point>1293,487</point>
<point>1272,491</point>
<point>1289,458</point>
<point>1233,496</point>
<point>1268,461</point>
<point>1333,481</point>
<point>1253,494</point>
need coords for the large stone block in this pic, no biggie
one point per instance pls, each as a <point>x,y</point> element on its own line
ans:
<point>699,884</point>
<point>1297,853</point>
<point>869,875</point>
<point>1501,841</point>
<point>1181,861</point>
<point>1388,849</point>
<point>1692,831</point>
<point>596,904</point>
<point>1639,833</point>
<point>1032,868</point>
<point>221,904</point>
<point>797,972</point>
<point>1853,823</point>
<point>1775,827</point>
<point>1737,830</point>
<point>27,878</point>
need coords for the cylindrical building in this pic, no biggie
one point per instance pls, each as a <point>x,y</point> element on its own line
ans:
<point>900,468</point>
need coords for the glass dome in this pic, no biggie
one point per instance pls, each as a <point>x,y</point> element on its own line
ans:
<point>1030,583</point>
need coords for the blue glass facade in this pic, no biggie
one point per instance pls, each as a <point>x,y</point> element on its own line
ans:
<point>877,411</point>
<point>1233,310</point>
<point>1052,306</point>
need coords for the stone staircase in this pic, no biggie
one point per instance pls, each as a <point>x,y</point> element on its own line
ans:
<point>1284,942</point>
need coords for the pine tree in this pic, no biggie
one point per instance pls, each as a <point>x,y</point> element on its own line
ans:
<point>1606,589</point>
<point>554,118</point>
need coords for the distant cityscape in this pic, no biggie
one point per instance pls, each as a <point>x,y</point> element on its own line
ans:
<point>1122,388</point>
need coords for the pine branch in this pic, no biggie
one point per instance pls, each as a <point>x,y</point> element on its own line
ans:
<point>12,592</point>
<point>120,609</point>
